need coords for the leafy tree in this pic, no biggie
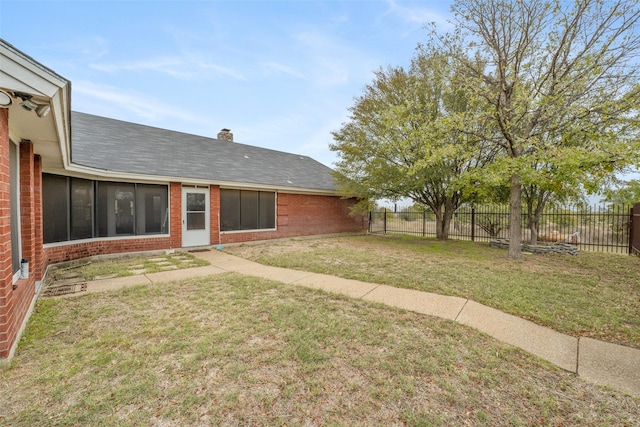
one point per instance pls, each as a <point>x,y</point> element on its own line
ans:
<point>558,82</point>
<point>536,197</point>
<point>402,140</point>
<point>623,193</point>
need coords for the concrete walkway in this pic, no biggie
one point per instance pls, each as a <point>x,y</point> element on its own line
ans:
<point>600,362</point>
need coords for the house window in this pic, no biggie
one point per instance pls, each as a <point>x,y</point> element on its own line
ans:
<point>76,208</point>
<point>153,210</point>
<point>14,196</point>
<point>247,210</point>
<point>81,209</point>
<point>115,209</point>
<point>55,208</point>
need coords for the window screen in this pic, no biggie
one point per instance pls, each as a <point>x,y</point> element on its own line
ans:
<point>247,210</point>
<point>55,208</point>
<point>76,208</point>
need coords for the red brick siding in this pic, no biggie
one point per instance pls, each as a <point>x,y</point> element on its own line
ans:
<point>175,214</point>
<point>84,249</point>
<point>214,208</point>
<point>15,303</point>
<point>39,261</point>
<point>305,215</point>
<point>7,334</point>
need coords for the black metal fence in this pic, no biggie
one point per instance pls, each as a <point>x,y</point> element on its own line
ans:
<point>605,228</point>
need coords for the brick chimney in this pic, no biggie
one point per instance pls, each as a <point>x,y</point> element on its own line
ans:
<point>225,135</point>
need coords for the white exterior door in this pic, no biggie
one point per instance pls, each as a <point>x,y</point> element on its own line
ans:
<point>195,217</point>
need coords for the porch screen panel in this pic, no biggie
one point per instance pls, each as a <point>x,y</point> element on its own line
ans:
<point>75,208</point>
<point>81,208</point>
<point>151,203</point>
<point>248,210</point>
<point>267,217</point>
<point>229,210</point>
<point>55,208</point>
<point>115,209</point>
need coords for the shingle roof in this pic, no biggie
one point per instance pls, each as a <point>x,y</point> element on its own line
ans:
<point>115,145</point>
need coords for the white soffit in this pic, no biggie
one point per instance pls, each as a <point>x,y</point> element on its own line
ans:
<point>50,134</point>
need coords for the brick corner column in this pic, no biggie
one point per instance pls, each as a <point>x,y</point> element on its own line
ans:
<point>175,202</point>
<point>214,214</point>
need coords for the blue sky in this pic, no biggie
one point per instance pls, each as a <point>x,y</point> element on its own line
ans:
<point>279,74</point>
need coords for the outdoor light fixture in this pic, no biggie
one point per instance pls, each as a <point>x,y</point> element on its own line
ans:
<point>43,110</point>
<point>30,105</point>
<point>5,99</point>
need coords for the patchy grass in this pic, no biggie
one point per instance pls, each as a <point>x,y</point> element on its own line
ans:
<point>121,267</point>
<point>594,294</point>
<point>232,350</point>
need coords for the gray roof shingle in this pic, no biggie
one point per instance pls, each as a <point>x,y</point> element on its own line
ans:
<point>115,145</point>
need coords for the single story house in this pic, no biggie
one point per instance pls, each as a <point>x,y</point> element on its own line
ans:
<point>75,185</point>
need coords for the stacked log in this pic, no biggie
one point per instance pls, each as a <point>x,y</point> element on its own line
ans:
<point>554,248</point>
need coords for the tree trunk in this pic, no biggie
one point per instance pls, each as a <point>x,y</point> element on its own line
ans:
<point>443,220</point>
<point>441,233</point>
<point>515,218</point>
<point>533,226</point>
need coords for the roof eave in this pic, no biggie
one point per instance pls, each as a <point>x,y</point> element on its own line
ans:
<point>90,172</point>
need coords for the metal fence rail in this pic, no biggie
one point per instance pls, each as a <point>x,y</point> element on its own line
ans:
<point>605,228</point>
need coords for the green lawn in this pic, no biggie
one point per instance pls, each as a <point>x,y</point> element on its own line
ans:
<point>122,266</point>
<point>231,350</point>
<point>593,294</point>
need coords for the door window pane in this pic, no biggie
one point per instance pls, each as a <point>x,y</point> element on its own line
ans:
<point>196,221</point>
<point>195,202</point>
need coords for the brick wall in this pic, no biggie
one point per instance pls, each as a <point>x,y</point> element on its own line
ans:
<point>16,298</point>
<point>6,280</point>
<point>175,213</point>
<point>83,249</point>
<point>305,215</point>
<point>214,208</point>
<point>39,261</point>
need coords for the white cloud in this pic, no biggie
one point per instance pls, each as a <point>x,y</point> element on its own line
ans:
<point>167,65</point>
<point>282,69</point>
<point>182,67</point>
<point>220,70</point>
<point>116,101</point>
<point>333,62</point>
<point>418,14</point>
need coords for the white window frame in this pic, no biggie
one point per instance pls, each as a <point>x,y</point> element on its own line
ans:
<point>14,180</point>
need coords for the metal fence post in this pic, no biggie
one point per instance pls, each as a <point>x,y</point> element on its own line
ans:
<point>473,224</point>
<point>385,221</point>
<point>631,230</point>
<point>424,222</point>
